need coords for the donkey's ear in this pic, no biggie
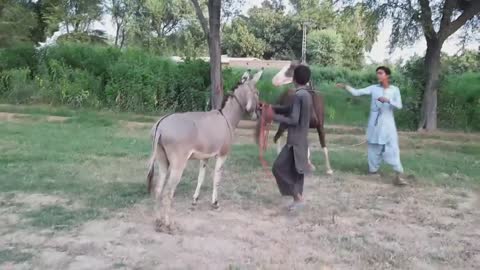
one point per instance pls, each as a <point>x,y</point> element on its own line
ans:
<point>245,76</point>
<point>257,76</point>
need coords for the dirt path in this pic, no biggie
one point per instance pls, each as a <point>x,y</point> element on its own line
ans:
<point>349,223</point>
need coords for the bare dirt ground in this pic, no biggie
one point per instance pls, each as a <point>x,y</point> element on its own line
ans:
<point>348,223</point>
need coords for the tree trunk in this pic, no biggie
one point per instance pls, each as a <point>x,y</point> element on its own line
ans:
<point>122,38</point>
<point>117,33</point>
<point>214,7</point>
<point>428,120</point>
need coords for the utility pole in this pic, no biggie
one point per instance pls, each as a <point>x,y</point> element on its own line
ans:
<point>304,43</point>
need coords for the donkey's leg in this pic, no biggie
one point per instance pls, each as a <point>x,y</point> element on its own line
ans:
<point>162,163</point>
<point>321,135</point>
<point>176,169</point>
<point>216,179</point>
<point>201,177</point>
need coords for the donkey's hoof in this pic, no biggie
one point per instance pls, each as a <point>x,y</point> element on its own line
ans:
<point>159,225</point>
<point>162,227</point>
<point>194,201</point>
<point>215,205</point>
<point>329,172</point>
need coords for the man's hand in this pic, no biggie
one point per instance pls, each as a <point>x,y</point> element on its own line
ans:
<point>267,113</point>
<point>341,85</point>
<point>383,100</point>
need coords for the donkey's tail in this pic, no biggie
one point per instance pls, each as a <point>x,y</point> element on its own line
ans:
<point>151,163</point>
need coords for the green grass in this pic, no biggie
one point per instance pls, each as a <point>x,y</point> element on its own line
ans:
<point>14,255</point>
<point>95,162</point>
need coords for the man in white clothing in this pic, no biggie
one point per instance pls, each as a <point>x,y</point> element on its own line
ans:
<point>382,137</point>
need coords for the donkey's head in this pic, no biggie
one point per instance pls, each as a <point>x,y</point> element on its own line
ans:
<point>247,93</point>
<point>285,75</point>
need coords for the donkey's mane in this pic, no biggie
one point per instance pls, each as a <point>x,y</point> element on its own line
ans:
<point>229,95</point>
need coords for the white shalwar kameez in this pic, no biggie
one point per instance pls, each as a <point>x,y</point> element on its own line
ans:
<point>382,137</point>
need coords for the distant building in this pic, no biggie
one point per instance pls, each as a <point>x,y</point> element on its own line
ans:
<point>243,62</point>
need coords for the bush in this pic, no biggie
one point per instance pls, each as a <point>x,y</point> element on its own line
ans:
<point>459,102</point>
<point>16,86</point>
<point>22,56</point>
<point>69,86</point>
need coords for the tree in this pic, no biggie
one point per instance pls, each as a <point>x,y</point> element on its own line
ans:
<point>16,23</point>
<point>358,27</point>
<point>436,20</point>
<point>119,10</point>
<point>76,15</point>
<point>240,42</point>
<point>211,30</point>
<point>281,34</point>
<point>324,47</point>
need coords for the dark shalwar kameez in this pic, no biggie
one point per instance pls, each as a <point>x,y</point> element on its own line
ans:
<point>292,163</point>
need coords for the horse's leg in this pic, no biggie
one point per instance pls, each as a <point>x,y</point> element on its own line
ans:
<point>321,135</point>
<point>201,177</point>
<point>312,167</point>
<point>216,179</point>
<point>277,139</point>
<point>176,169</point>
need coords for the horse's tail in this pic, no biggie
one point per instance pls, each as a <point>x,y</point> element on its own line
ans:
<point>258,127</point>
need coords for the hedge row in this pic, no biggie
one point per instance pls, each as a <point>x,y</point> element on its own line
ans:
<point>132,80</point>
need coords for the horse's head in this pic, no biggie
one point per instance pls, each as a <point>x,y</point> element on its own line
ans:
<point>285,75</point>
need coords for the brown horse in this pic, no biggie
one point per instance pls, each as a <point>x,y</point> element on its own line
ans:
<point>284,76</point>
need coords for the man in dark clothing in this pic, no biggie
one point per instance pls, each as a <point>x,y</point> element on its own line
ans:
<point>292,163</point>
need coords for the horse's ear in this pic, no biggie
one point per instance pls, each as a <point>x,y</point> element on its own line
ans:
<point>257,76</point>
<point>283,76</point>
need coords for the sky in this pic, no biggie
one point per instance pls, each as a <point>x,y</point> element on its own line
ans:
<point>379,53</point>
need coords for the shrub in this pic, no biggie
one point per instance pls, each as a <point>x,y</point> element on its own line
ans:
<point>16,86</point>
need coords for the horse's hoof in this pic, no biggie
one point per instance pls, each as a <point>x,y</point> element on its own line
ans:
<point>195,201</point>
<point>312,168</point>
<point>329,172</point>
<point>215,205</point>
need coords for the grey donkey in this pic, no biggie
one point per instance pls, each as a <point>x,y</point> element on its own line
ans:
<point>180,137</point>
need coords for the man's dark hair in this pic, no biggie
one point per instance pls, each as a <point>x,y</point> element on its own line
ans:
<point>385,69</point>
<point>301,75</point>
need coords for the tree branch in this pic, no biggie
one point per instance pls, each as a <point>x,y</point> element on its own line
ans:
<point>201,17</point>
<point>426,19</point>
<point>469,13</point>
<point>448,8</point>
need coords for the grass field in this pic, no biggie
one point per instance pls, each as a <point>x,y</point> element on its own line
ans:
<point>73,196</point>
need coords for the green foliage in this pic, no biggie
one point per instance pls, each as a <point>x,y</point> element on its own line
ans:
<point>20,56</point>
<point>239,41</point>
<point>16,86</point>
<point>324,47</point>
<point>86,76</point>
<point>280,33</point>
<point>96,38</point>
<point>467,61</point>
<point>16,22</point>
<point>459,102</point>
